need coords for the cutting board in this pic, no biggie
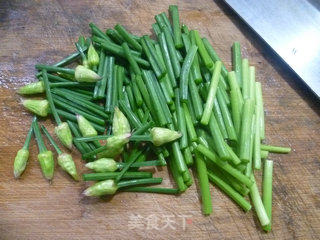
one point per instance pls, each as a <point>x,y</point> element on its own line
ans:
<point>30,208</point>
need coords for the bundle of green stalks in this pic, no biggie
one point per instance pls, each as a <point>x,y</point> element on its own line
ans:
<point>171,99</point>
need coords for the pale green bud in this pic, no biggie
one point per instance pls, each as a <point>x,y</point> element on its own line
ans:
<point>163,135</point>
<point>93,56</point>
<point>103,165</point>
<point>32,88</point>
<point>38,107</point>
<point>83,74</point>
<point>46,164</point>
<point>114,146</point>
<point>20,162</point>
<point>86,128</point>
<point>67,164</point>
<point>120,124</point>
<point>101,188</point>
<point>63,132</point>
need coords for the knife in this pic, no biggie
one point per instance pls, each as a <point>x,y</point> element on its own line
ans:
<point>291,28</point>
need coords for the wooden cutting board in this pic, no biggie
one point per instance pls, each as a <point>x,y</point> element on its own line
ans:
<point>44,32</point>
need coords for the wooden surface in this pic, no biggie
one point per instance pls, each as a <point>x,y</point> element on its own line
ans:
<point>45,31</point>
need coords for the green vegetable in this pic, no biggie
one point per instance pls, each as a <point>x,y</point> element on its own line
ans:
<point>21,159</point>
<point>244,143</point>
<point>32,88</point>
<point>103,165</point>
<point>172,52</point>
<point>204,185</point>
<point>38,107</point>
<point>224,166</point>
<point>120,124</point>
<point>127,37</point>
<point>93,56</point>
<point>259,101</point>
<point>45,157</point>
<point>161,136</point>
<point>86,128</point>
<point>151,190</point>
<point>237,62</point>
<point>229,191</point>
<point>211,95</point>
<point>258,205</point>
<point>64,160</point>
<point>113,175</point>
<point>114,146</point>
<point>184,74</point>
<point>110,186</point>
<point>245,79</point>
<point>63,132</point>
<point>267,190</point>
<point>83,74</point>
<point>202,50</point>
<point>275,149</point>
<point>174,13</point>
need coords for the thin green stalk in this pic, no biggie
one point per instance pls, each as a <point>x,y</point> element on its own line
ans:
<point>113,175</point>
<point>73,118</point>
<point>181,124</point>
<point>211,95</point>
<point>224,166</point>
<point>259,101</point>
<point>275,149</point>
<point>167,59</point>
<point>37,134</point>
<point>237,62</point>
<point>202,50</point>
<point>49,97</point>
<point>245,79</point>
<point>184,74</point>
<point>218,140</point>
<point>174,13</point>
<point>128,38</point>
<point>267,190</point>
<point>139,182</point>
<point>28,138</point>
<point>130,58</point>
<point>133,119</point>
<point>54,69</point>
<point>258,205</point>
<point>53,143</point>
<point>244,204</point>
<point>172,52</point>
<point>190,127</point>
<point>203,184</point>
<point>152,190</point>
<point>244,143</point>
<point>226,116</point>
<point>195,98</point>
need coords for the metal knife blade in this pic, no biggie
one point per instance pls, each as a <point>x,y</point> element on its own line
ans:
<point>291,28</point>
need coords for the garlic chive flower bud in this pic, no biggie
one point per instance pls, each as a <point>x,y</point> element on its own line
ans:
<point>47,164</point>
<point>114,146</point>
<point>38,107</point>
<point>86,128</point>
<point>63,132</point>
<point>93,56</point>
<point>83,74</point>
<point>120,124</point>
<point>163,135</point>
<point>66,162</point>
<point>32,88</point>
<point>103,165</point>
<point>101,188</point>
<point>20,162</point>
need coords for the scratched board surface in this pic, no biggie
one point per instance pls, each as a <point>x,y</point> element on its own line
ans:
<point>44,32</point>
